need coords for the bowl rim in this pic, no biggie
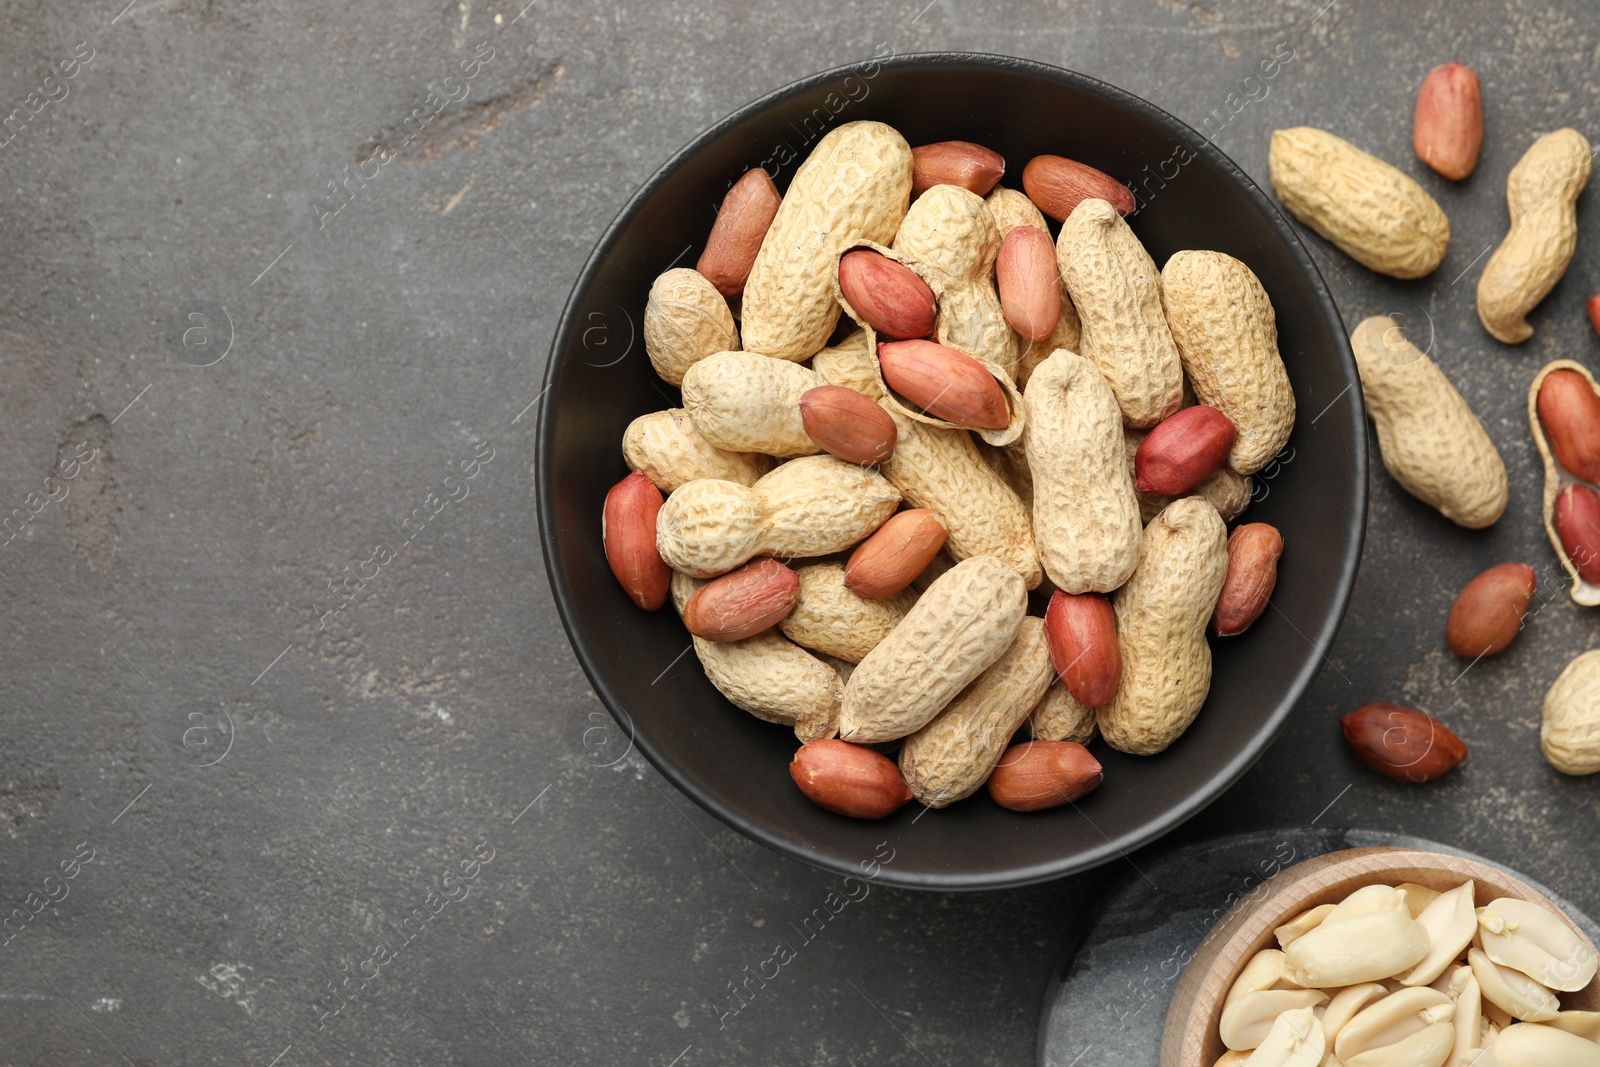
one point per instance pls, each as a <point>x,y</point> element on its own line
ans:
<point>1321,641</point>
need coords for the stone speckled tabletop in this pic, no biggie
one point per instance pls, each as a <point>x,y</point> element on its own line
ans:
<point>270,794</point>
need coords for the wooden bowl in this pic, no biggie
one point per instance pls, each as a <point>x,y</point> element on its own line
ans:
<point>1191,1038</point>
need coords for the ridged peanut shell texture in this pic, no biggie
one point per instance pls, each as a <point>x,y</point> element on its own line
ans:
<point>812,506</point>
<point>769,676</point>
<point>685,320</point>
<point>1227,336</point>
<point>1116,288</point>
<point>951,235</point>
<point>950,758</point>
<point>1556,394</point>
<point>942,470</point>
<point>1430,438</point>
<point>855,186</point>
<point>1377,215</point>
<point>1542,195</point>
<point>1162,613</point>
<point>1085,512</point>
<point>746,402</point>
<point>831,619</point>
<point>1570,731</point>
<point>667,449</point>
<point>964,622</point>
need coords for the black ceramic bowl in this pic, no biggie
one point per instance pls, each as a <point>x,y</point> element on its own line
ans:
<point>599,379</point>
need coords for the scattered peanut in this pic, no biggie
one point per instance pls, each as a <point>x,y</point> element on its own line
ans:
<point>1183,450</point>
<point>1377,215</point>
<point>847,424</point>
<point>1577,520</point>
<point>1036,775</point>
<point>743,602</point>
<point>887,295</point>
<point>1541,194</point>
<point>1570,730</point>
<point>892,557</point>
<point>1028,281</point>
<point>945,383</point>
<point>1447,131</point>
<point>1011,209</point>
<point>1082,629</point>
<point>1403,743</point>
<point>1487,613</point>
<point>1429,436</point>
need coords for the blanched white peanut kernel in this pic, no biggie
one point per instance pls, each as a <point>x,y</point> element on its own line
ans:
<point>1371,898</point>
<point>1232,1059</point>
<point>1247,1019</point>
<point>1523,935</point>
<point>1586,1024</point>
<point>1512,991</point>
<point>1347,1003</point>
<point>1263,971</point>
<point>1360,941</point>
<point>1450,922</point>
<point>1295,1040</point>
<point>1418,897</point>
<point>1453,980</point>
<point>1532,1045</point>
<point>1411,1026</point>
<point>1302,924</point>
<point>1468,1020</point>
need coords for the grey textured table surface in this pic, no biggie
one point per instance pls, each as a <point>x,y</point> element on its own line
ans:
<point>266,789</point>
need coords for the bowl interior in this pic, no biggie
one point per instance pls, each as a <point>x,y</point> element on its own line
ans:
<point>1191,1038</point>
<point>599,379</point>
